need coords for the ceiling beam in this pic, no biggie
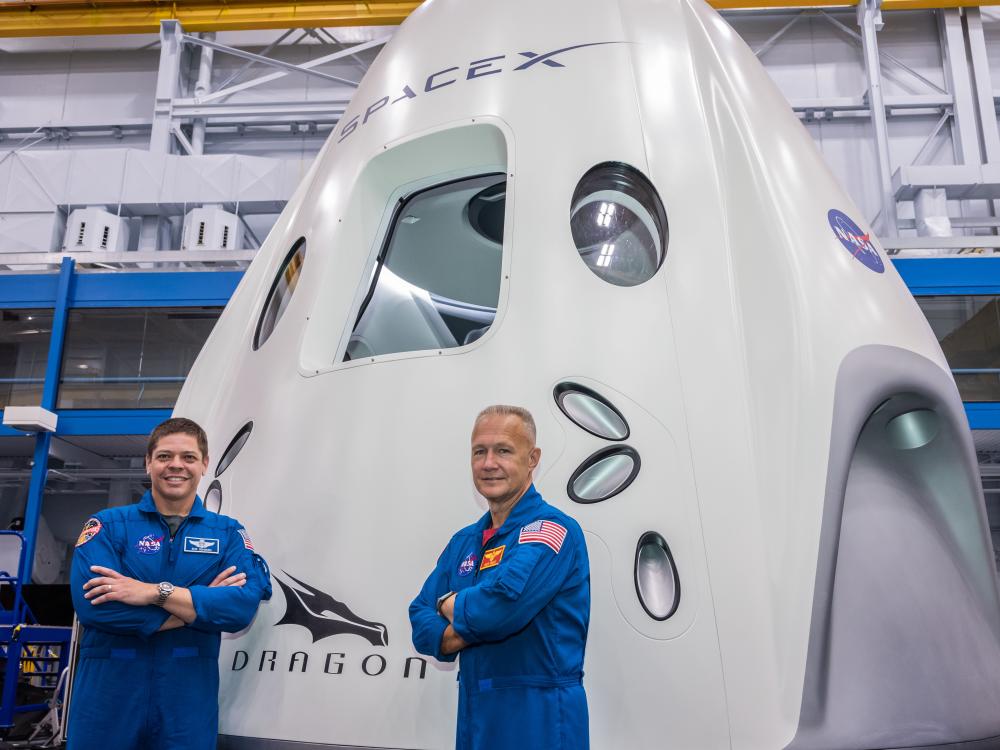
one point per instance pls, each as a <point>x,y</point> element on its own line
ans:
<point>42,18</point>
<point>25,18</point>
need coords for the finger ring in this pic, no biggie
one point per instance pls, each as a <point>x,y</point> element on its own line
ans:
<point>107,587</point>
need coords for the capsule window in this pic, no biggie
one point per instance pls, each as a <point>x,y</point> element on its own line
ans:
<point>913,429</point>
<point>436,283</point>
<point>234,447</point>
<point>281,292</point>
<point>590,411</point>
<point>213,498</point>
<point>656,581</point>
<point>619,224</point>
<point>604,474</point>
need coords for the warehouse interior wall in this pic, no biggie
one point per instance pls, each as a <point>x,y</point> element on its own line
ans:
<point>76,116</point>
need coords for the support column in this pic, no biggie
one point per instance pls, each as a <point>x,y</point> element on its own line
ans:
<point>167,85</point>
<point>982,84</point>
<point>870,21</point>
<point>50,393</point>
<point>965,135</point>
<point>202,87</point>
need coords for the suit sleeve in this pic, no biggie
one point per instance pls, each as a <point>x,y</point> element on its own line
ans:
<point>532,575</point>
<point>232,608</point>
<point>427,625</point>
<point>111,617</point>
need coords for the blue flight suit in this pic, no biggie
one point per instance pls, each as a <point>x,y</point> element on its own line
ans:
<point>136,688</point>
<point>523,608</point>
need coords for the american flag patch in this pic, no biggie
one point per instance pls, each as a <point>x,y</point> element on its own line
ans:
<point>544,532</point>
<point>246,539</point>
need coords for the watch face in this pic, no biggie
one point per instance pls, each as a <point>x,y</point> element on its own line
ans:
<point>856,242</point>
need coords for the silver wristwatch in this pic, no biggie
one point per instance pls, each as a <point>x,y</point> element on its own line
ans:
<point>166,589</point>
<point>442,599</point>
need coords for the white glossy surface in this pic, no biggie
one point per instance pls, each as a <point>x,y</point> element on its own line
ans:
<point>357,472</point>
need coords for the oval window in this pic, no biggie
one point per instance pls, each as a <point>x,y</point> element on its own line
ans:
<point>590,411</point>
<point>656,580</point>
<point>619,224</point>
<point>913,429</point>
<point>234,447</point>
<point>213,498</point>
<point>604,474</point>
<point>281,292</point>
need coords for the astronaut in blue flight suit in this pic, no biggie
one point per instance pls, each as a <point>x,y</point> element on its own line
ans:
<point>511,593</point>
<point>154,584</point>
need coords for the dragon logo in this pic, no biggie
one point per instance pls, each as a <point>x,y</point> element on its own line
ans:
<point>323,616</point>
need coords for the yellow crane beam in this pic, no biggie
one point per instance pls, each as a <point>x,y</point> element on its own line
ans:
<point>40,18</point>
<point>22,18</point>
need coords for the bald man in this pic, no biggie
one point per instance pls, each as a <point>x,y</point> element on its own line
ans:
<point>511,595</point>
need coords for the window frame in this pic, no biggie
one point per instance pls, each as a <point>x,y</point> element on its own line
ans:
<point>395,204</point>
<point>255,343</point>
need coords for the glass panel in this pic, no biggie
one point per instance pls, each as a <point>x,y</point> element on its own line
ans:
<point>591,412</point>
<point>438,284</point>
<point>914,429</point>
<point>604,474</point>
<point>968,328</point>
<point>131,358</point>
<point>619,224</point>
<point>281,292</point>
<point>655,577</point>
<point>24,353</point>
<point>213,498</point>
<point>234,447</point>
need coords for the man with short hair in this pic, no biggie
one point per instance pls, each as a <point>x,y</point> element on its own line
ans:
<point>154,584</point>
<point>511,594</point>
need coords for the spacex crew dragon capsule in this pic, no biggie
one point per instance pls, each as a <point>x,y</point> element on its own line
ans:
<point>603,211</point>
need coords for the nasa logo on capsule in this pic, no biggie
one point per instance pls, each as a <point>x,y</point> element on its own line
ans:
<point>856,242</point>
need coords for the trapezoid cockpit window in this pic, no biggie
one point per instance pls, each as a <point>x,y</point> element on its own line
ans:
<point>436,281</point>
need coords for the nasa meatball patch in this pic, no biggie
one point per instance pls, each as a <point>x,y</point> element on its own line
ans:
<point>149,544</point>
<point>856,242</point>
<point>90,530</point>
<point>467,565</point>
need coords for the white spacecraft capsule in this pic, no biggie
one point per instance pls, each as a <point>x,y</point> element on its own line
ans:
<point>604,212</point>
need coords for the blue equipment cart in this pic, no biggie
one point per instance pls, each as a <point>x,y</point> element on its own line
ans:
<point>29,652</point>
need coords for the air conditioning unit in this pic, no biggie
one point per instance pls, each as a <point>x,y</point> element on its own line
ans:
<point>211,228</point>
<point>93,229</point>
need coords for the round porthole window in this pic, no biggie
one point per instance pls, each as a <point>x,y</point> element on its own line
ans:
<point>281,292</point>
<point>656,580</point>
<point>619,224</point>
<point>604,474</point>
<point>213,498</point>
<point>234,447</point>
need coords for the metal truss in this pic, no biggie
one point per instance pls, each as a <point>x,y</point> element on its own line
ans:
<point>965,110</point>
<point>208,109</point>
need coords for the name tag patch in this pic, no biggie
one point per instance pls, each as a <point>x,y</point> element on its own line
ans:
<point>492,557</point>
<point>201,545</point>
